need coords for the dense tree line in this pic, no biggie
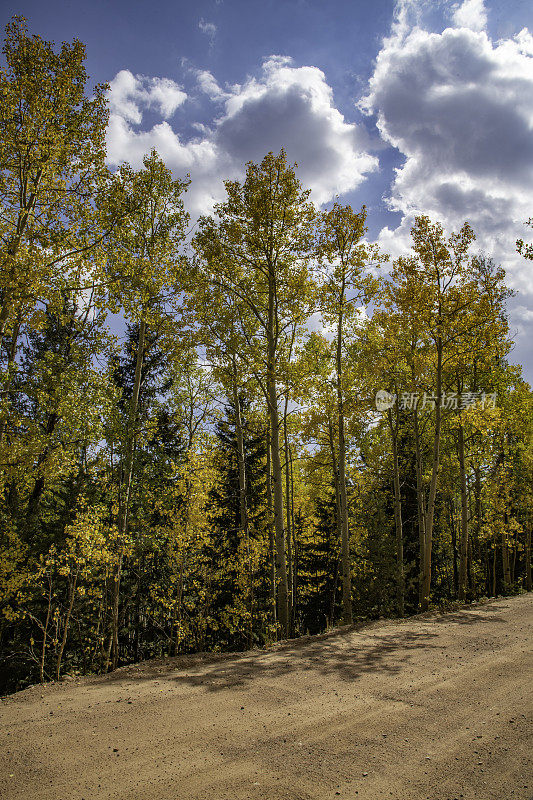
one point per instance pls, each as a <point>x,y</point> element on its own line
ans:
<point>292,433</point>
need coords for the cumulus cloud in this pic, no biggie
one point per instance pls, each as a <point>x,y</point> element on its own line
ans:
<point>208,84</point>
<point>459,107</point>
<point>130,94</point>
<point>284,106</point>
<point>293,107</point>
<point>523,313</point>
<point>470,14</point>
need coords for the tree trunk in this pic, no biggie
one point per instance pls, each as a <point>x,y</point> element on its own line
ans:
<point>333,596</point>
<point>505,557</point>
<point>125,495</point>
<point>347,616</point>
<point>243,505</point>
<point>421,506</point>
<point>469,558</point>
<point>336,482</point>
<point>463,541</point>
<point>400,578</point>
<point>45,629</point>
<point>271,534</point>
<point>65,626</point>
<point>277,473</point>
<point>181,574</point>
<point>477,499</point>
<point>426,583</point>
<point>294,549</point>
<point>288,511</point>
<point>279,527</point>
<point>528,558</point>
<point>137,642</point>
<point>454,547</point>
<point>494,569</point>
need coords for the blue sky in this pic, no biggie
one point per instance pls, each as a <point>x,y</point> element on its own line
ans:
<point>406,106</point>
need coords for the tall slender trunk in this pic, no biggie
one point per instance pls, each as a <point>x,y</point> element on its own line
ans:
<point>279,527</point>
<point>421,505</point>
<point>45,628</point>
<point>469,557</point>
<point>243,510</point>
<point>494,567</point>
<point>505,556</point>
<point>486,556</point>
<point>294,584</point>
<point>333,595</point>
<point>435,463</point>
<point>296,551</point>
<point>271,534</point>
<point>400,578</point>
<point>277,473</point>
<point>527,555</point>
<point>454,547</point>
<point>72,592</point>
<point>288,509</point>
<point>125,494</point>
<point>138,627</point>
<point>179,604</point>
<point>338,524</point>
<point>463,542</point>
<point>475,528</point>
<point>335,469</point>
<point>477,499</point>
<point>347,615</point>
<point>243,505</point>
<point>82,647</point>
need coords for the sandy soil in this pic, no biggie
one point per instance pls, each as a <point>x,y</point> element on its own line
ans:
<point>433,708</point>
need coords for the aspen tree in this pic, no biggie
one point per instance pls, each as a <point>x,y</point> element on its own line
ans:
<point>259,250</point>
<point>145,272</point>
<point>345,287</point>
<point>431,290</point>
<point>52,169</point>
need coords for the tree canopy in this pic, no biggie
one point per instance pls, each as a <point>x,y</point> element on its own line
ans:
<point>283,431</point>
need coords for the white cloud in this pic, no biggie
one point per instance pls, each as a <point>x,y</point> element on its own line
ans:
<point>285,106</point>
<point>208,84</point>
<point>470,14</point>
<point>210,30</point>
<point>459,107</point>
<point>166,95</point>
<point>523,313</point>
<point>293,107</point>
<point>123,96</point>
<point>129,94</point>
<point>198,157</point>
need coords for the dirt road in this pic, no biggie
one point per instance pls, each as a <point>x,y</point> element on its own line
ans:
<point>427,709</point>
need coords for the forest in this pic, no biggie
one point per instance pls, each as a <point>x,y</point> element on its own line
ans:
<point>223,432</point>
